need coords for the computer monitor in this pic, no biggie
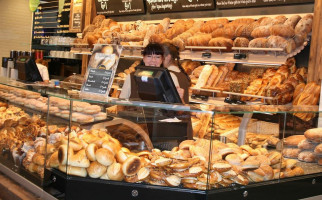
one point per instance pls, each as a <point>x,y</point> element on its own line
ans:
<point>28,70</point>
<point>156,84</point>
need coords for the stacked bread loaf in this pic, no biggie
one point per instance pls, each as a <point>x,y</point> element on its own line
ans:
<point>306,148</point>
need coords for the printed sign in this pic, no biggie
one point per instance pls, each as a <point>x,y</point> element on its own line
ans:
<point>119,7</point>
<point>158,6</point>
<point>252,3</point>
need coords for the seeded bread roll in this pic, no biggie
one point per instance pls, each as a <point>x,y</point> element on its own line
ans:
<point>293,20</point>
<point>304,25</point>
<point>241,42</point>
<point>243,21</point>
<point>258,43</point>
<point>280,42</point>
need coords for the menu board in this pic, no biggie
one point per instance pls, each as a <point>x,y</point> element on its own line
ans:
<point>159,6</point>
<point>252,3</point>
<point>100,72</point>
<point>48,22</point>
<point>119,7</point>
<point>97,81</point>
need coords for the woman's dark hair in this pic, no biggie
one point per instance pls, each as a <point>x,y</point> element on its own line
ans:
<point>153,48</point>
<point>170,49</point>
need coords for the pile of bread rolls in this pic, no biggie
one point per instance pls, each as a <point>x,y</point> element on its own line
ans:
<point>265,32</point>
<point>96,154</point>
<point>83,112</point>
<point>306,148</point>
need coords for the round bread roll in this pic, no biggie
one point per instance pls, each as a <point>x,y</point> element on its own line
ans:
<point>114,172</point>
<point>121,156</point>
<point>306,156</point>
<point>290,163</point>
<point>112,147</point>
<point>104,156</point>
<point>319,161</point>
<point>96,170</point>
<point>79,159</point>
<point>173,180</point>
<point>53,161</point>
<point>131,166</point>
<point>275,157</point>
<point>90,151</point>
<point>314,134</point>
<point>250,163</point>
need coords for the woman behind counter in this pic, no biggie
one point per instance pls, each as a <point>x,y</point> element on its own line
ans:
<point>156,55</point>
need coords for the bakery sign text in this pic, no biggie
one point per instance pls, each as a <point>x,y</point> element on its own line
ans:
<point>103,4</point>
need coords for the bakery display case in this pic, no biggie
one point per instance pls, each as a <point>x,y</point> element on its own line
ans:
<point>129,149</point>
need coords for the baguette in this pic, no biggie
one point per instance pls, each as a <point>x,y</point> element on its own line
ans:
<point>204,75</point>
<point>213,76</point>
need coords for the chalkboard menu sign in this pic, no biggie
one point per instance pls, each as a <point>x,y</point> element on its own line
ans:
<point>159,6</point>
<point>253,3</point>
<point>48,22</point>
<point>100,72</point>
<point>97,81</point>
<point>119,7</point>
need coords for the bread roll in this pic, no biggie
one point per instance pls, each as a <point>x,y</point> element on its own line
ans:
<point>90,151</point>
<point>114,172</point>
<point>53,161</point>
<point>304,25</point>
<point>63,154</point>
<point>279,19</point>
<point>104,157</point>
<point>280,42</point>
<point>265,21</point>
<point>243,21</point>
<point>299,39</point>
<point>38,159</point>
<point>241,42</point>
<point>221,42</point>
<point>79,159</point>
<point>293,20</point>
<point>261,31</point>
<point>226,32</point>
<point>258,43</point>
<point>76,171</point>
<point>96,170</point>
<point>282,30</point>
<point>245,30</point>
<point>131,166</point>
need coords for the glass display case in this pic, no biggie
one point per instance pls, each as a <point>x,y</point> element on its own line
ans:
<point>80,149</point>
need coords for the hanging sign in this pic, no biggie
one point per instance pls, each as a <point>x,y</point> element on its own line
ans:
<point>33,5</point>
<point>119,7</point>
<point>76,16</point>
<point>253,3</point>
<point>159,6</point>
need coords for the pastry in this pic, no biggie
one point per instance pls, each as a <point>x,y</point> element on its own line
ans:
<point>306,156</point>
<point>131,165</point>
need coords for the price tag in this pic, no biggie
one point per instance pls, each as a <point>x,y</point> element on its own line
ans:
<point>206,55</point>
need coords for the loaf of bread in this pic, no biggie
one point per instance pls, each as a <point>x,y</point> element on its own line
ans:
<point>221,42</point>
<point>279,19</point>
<point>293,20</point>
<point>293,140</point>
<point>213,76</point>
<point>210,27</point>
<point>243,21</point>
<point>306,156</point>
<point>291,152</point>
<point>304,25</point>
<point>245,30</point>
<point>280,42</point>
<point>307,145</point>
<point>226,32</point>
<point>282,30</point>
<point>265,21</point>
<point>258,43</point>
<point>261,31</point>
<point>314,134</point>
<point>241,42</point>
<point>204,75</point>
